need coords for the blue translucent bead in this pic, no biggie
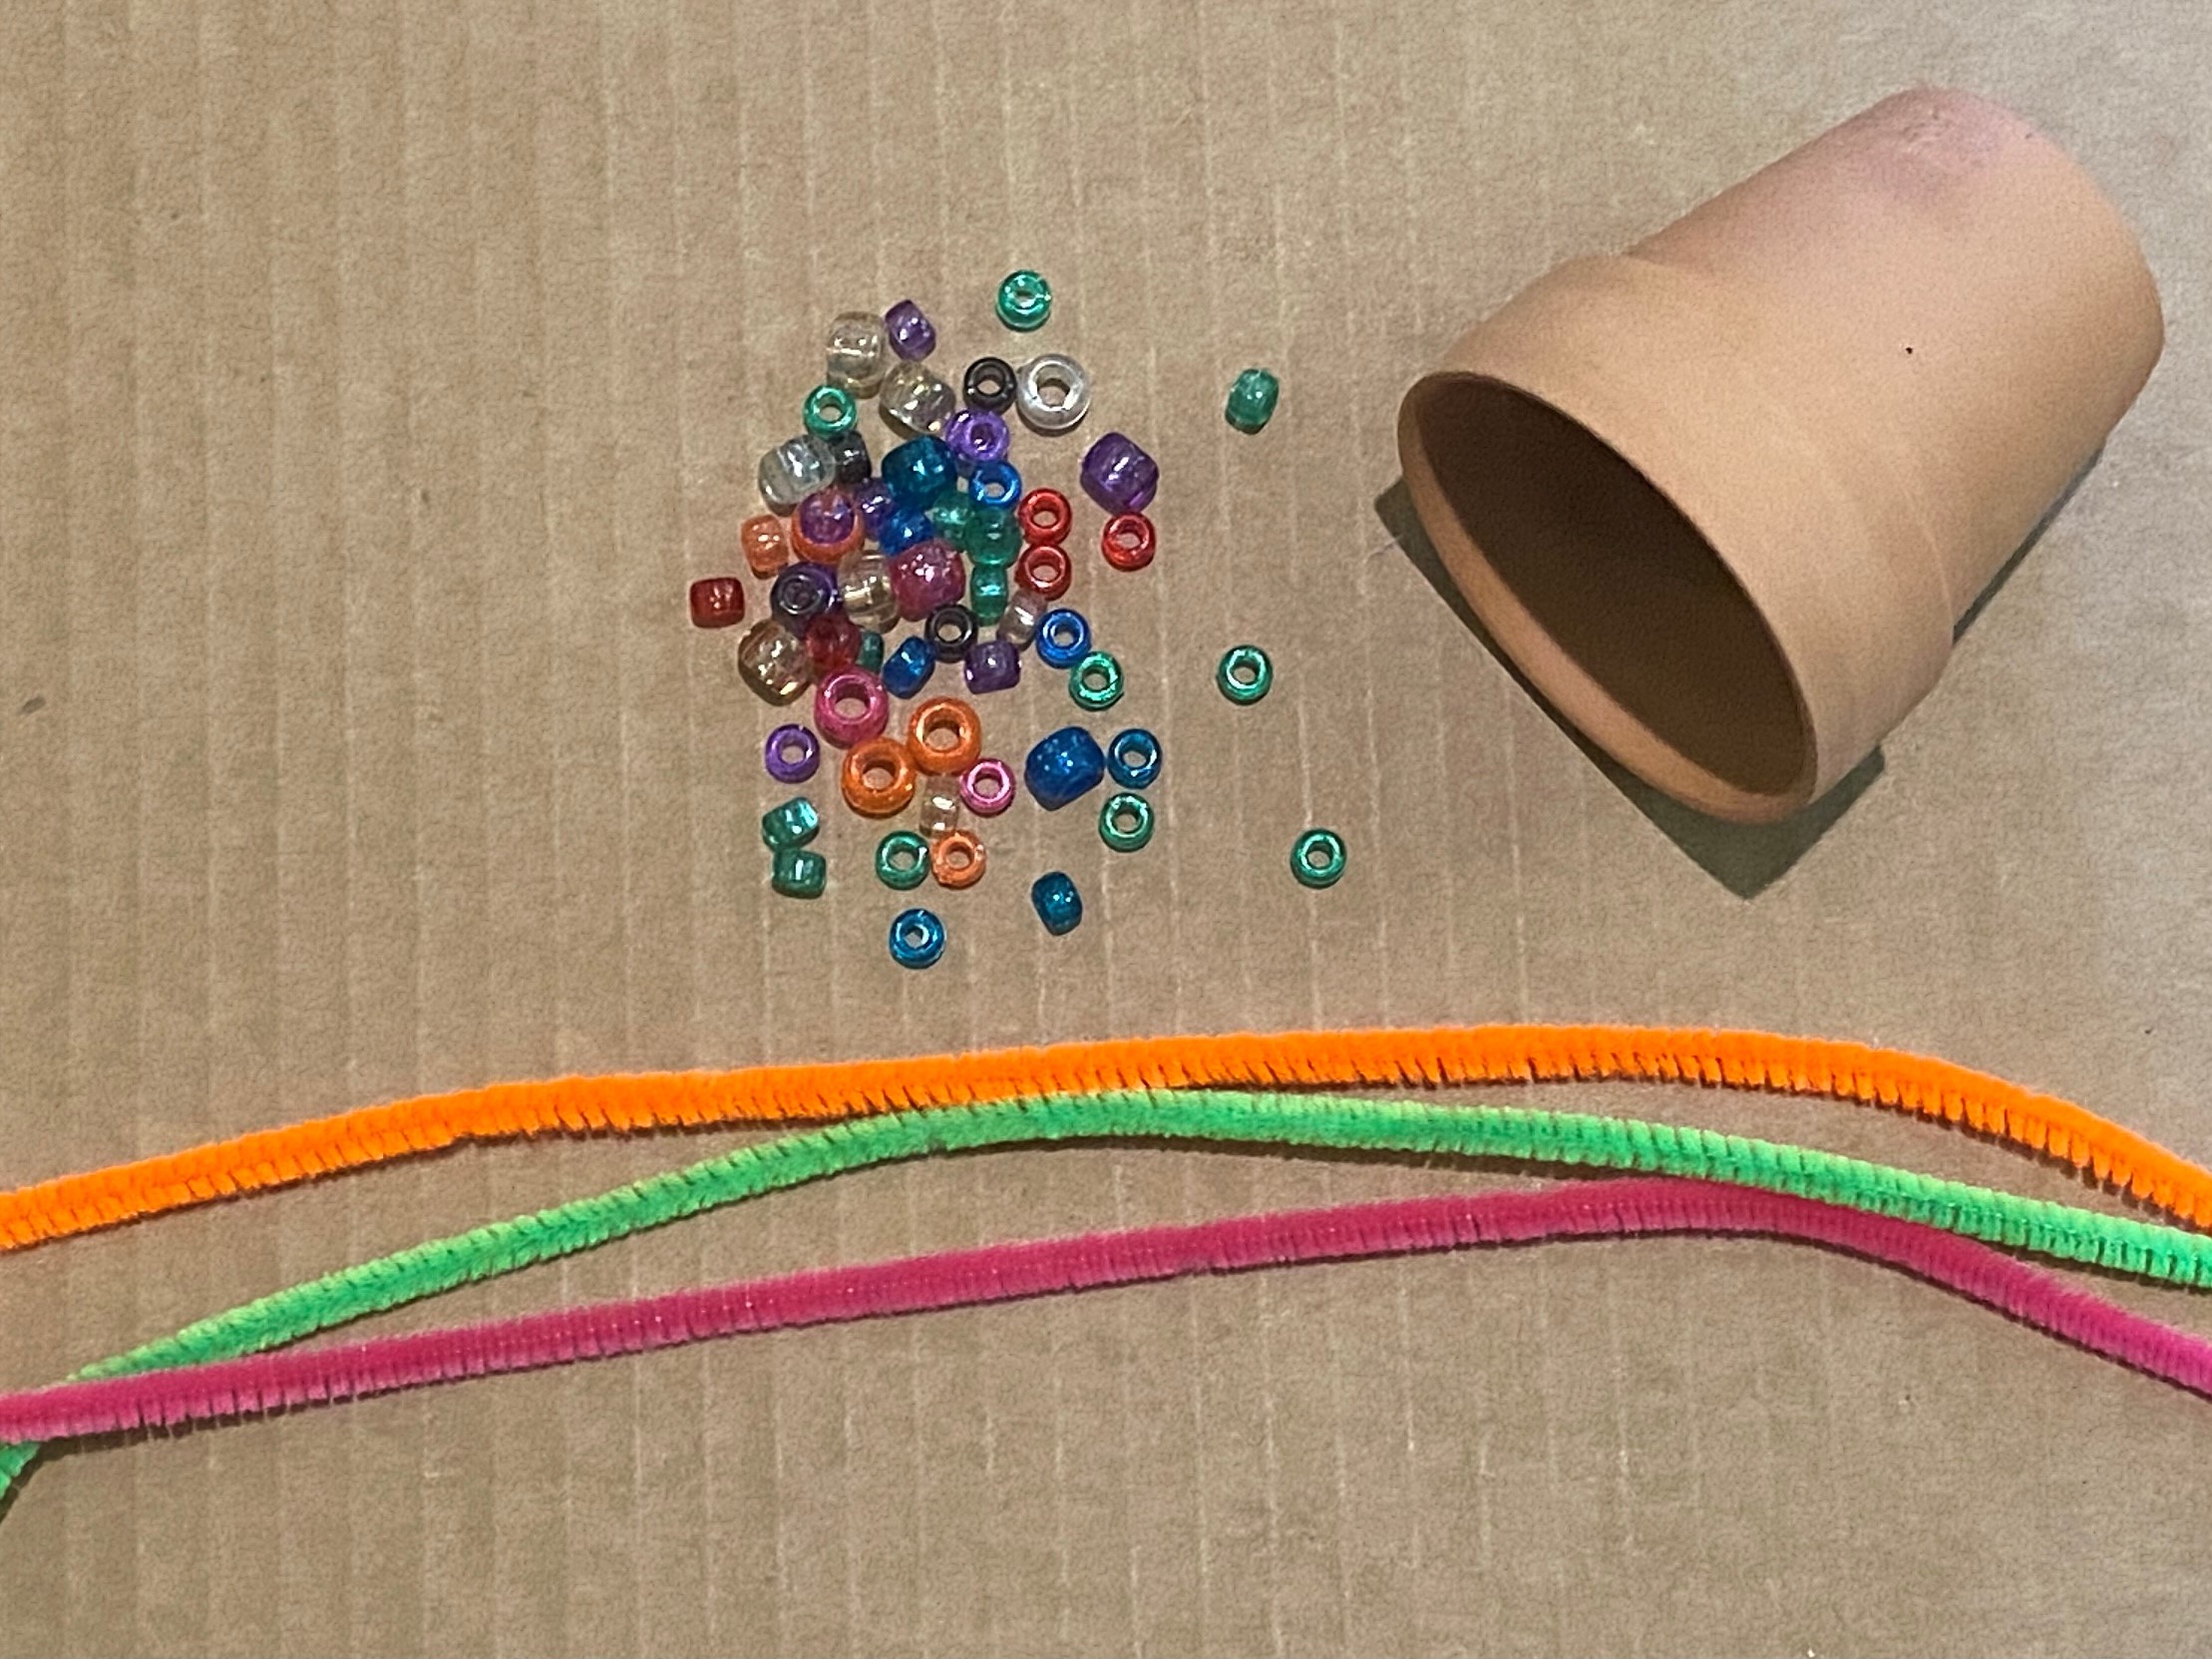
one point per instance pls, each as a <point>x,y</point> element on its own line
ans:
<point>1063,767</point>
<point>875,503</point>
<point>917,469</point>
<point>1063,639</point>
<point>906,527</point>
<point>1134,758</point>
<point>1059,906</point>
<point>908,670</point>
<point>917,938</point>
<point>995,484</point>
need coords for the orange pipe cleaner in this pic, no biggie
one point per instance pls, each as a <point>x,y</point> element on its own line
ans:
<point>1384,1058</point>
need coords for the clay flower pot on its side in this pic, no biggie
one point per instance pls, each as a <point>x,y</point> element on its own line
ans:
<point>1724,496</point>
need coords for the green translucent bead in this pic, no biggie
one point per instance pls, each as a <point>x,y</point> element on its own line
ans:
<point>1317,858</point>
<point>993,536</point>
<point>988,589</point>
<point>901,860</point>
<point>952,512</point>
<point>793,824</point>
<point>1245,673</point>
<point>871,654</point>
<point>1125,822</point>
<point>1095,682</point>
<point>1252,400</point>
<point>831,411</point>
<point>799,874</point>
<point>1024,302</point>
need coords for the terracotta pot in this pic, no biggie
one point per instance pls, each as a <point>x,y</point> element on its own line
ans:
<point>1723,498</point>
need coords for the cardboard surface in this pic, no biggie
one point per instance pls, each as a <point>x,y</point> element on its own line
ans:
<point>373,381</point>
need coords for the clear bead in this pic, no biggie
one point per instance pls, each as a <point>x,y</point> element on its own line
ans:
<point>794,470</point>
<point>916,398</point>
<point>1017,624</point>
<point>863,589</point>
<point>941,808</point>
<point>858,353</point>
<point>773,661</point>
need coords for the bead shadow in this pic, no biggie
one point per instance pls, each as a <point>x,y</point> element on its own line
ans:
<point>1744,857</point>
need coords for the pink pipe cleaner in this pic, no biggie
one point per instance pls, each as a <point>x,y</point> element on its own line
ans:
<point>1008,1272</point>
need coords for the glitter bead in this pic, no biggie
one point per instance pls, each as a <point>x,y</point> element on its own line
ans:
<point>848,451</point>
<point>850,706</point>
<point>802,592</point>
<point>950,631</point>
<point>1017,624</point>
<point>917,938</point>
<point>773,661</point>
<point>1134,758</point>
<point>993,536</point>
<point>992,666</point>
<point>927,575</point>
<point>1245,673</point>
<point>1252,400</point>
<point>953,515</point>
<point>1058,905</point>
<point>1095,682</point>
<point>918,470</point>
<point>871,654</point>
<point>1063,766</point>
<point>833,642</point>
<point>906,528</point>
<point>978,438</point>
<point>875,503</point>
<point>997,484</point>
<point>1317,858</point>
<point>1125,822</point>
<point>1044,571</point>
<point>717,601</point>
<point>799,874</point>
<point>912,334</point>
<point>989,384</point>
<point>902,861</point>
<point>944,737</point>
<point>1024,302</point>
<point>791,824</point>
<point>765,543</point>
<point>915,399</point>
<point>940,810</point>
<point>829,411</point>
<point>1063,639</point>
<point>988,789</point>
<point>827,526</point>
<point>1119,476</point>
<point>988,586</point>
<point>908,670</point>
<point>956,859</point>
<point>858,351</point>
<point>1045,517</point>
<point>791,754</point>
<point>1127,541</point>
<point>877,777</point>
<point>1052,393</point>
<point>794,470</point>
<point>863,589</point>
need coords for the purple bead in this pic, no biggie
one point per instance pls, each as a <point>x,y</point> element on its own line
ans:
<point>828,517</point>
<point>976,438</point>
<point>791,753</point>
<point>926,576</point>
<point>912,334</point>
<point>802,592</point>
<point>873,500</point>
<point>992,666</point>
<point>1119,476</point>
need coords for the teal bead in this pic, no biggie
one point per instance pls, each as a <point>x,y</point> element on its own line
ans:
<point>1245,673</point>
<point>831,411</point>
<point>871,654</point>
<point>953,513</point>
<point>1095,682</point>
<point>901,860</point>
<point>993,536</point>
<point>1317,858</point>
<point>790,825</point>
<point>799,874</point>
<point>1252,400</point>
<point>988,589</point>
<point>1125,822</point>
<point>1024,302</point>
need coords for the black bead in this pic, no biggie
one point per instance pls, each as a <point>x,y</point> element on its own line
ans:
<point>802,592</point>
<point>853,465</point>
<point>951,630</point>
<point>989,384</point>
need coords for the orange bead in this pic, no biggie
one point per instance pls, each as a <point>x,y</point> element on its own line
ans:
<point>766,544</point>
<point>944,736</point>
<point>956,860</point>
<point>877,777</point>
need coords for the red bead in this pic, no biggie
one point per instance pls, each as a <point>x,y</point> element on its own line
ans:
<point>717,601</point>
<point>833,642</point>
<point>1044,571</point>
<point>767,544</point>
<point>1126,541</point>
<point>1045,517</point>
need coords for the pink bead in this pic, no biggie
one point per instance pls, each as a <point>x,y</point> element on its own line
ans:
<point>987,788</point>
<point>926,576</point>
<point>851,707</point>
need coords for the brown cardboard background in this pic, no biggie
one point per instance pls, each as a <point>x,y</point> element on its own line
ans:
<point>371,380</point>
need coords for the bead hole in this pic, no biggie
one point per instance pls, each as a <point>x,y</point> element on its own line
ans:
<point>878,776</point>
<point>904,858</point>
<point>1133,757</point>
<point>941,738</point>
<point>794,752</point>
<point>1052,391</point>
<point>958,858</point>
<point>1244,673</point>
<point>851,705</point>
<point>1125,821</point>
<point>916,938</point>
<point>1317,857</point>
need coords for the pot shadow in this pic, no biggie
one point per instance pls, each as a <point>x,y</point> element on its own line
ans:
<point>1747,859</point>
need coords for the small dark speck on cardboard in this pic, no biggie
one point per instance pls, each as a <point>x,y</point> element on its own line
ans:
<point>1908,351</point>
<point>31,705</point>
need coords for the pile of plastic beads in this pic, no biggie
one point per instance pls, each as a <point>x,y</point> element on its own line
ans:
<point>946,536</point>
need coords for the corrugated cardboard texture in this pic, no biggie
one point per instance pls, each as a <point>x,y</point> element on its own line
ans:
<point>374,377</point>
